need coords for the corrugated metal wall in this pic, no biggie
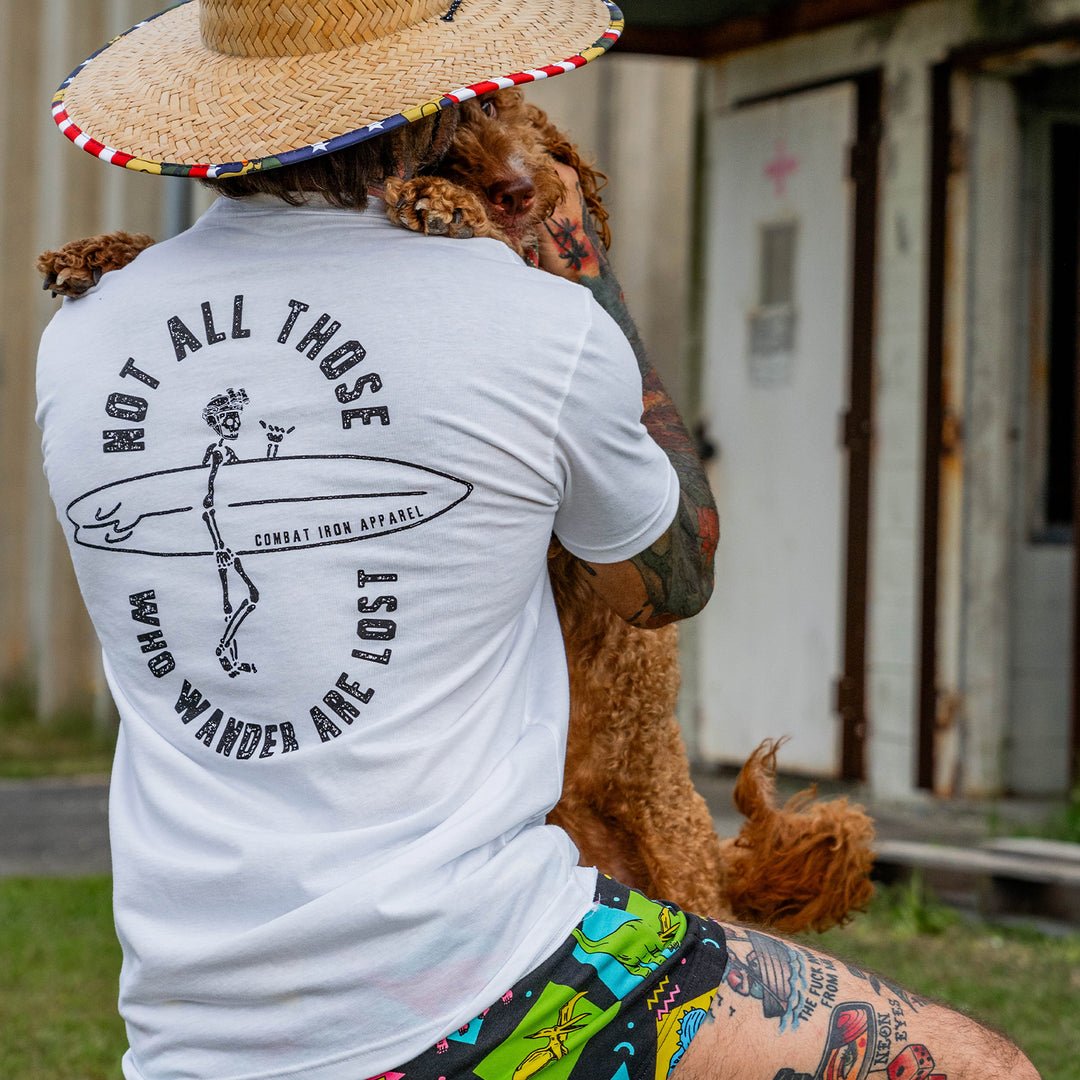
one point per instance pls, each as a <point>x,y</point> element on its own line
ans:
<point>49,192</point>
<point>635,113</point>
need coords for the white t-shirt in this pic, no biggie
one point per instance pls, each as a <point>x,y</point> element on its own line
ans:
<point>308,465</point>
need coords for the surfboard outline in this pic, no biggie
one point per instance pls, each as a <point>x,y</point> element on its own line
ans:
<point>107,519</point>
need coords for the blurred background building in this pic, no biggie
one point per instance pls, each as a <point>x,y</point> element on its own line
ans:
<point>850,233</point>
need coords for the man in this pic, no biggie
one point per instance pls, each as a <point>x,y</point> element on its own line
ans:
<point>336,866</point>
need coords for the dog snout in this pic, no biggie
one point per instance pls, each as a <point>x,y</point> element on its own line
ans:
<point>512,196</point>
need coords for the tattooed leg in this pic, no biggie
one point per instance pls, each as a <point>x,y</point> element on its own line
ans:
<point>784,1012</point>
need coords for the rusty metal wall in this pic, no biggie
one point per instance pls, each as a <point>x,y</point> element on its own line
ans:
<point>50,192</point>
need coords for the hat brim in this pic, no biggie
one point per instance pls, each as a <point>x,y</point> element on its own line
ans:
<point>155,99</point>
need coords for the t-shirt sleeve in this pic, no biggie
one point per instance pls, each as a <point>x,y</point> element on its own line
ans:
<point>619,491</point>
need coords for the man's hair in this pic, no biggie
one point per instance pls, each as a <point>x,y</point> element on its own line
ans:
<point>343,177</point>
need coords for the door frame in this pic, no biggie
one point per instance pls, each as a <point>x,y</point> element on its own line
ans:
<point>936,445</point>
<point>940,437</point>
<point>1027,48</point>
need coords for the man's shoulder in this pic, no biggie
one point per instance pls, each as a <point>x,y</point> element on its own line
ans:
<point>495,268</point>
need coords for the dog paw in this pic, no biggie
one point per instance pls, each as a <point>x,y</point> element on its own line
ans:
<point>78,266</point>
<point>434,220</point>
<point>437,207</point>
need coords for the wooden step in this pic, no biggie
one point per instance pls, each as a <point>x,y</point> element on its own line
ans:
<point>1032,847</point>
<point>1012,877</point>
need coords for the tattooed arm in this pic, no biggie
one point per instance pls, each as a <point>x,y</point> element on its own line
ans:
<point>673,578</point>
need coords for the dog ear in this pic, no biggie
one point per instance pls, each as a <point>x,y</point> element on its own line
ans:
<point>592,180</point>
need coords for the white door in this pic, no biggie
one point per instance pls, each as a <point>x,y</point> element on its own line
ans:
<point>1041,606</point>
<point>777,332</point>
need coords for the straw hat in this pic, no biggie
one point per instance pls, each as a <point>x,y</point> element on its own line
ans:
<point>218,87</point>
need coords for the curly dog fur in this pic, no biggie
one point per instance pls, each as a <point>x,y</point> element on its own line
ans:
<point>497,179</point>
<point>628,799</point>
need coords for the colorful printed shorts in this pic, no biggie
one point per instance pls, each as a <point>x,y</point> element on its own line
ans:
<point>620,1000</point>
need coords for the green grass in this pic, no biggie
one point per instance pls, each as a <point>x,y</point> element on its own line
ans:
<point>58,983</point>
<point>68,744</point>
<point>61,963</point>
<point>1018,981</point>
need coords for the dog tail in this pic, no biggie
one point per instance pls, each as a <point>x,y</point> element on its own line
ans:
<point>805,865</point>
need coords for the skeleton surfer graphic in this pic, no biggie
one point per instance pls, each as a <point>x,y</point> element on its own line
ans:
<point>222,415</point>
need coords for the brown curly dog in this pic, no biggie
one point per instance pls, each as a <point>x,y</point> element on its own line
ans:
<point>628,799</point>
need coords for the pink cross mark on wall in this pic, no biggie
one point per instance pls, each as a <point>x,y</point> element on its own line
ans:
<point>780,168</point>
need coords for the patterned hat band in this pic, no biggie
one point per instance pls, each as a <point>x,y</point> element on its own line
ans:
<point>222,87</point>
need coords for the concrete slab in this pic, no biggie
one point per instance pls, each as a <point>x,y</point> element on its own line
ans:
<point>54,828</point>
